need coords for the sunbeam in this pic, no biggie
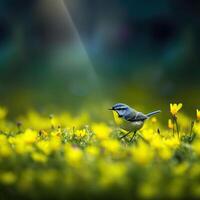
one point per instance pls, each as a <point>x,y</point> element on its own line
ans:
<point>79,42</point>
<point>70,59</point>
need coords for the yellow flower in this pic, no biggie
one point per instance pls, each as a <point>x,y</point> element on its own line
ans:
<point>35,120</point>
<point>56,133</point>
<point>5,149</point>
<point>142,154</point>
<point>49,146</point>
<point>154,120</point>
<point>30,136</point>
<point>165,153</point>
<point>112,173</point>
<point>80,133</point>
<point>44,147</point>
<point>184,121</point>
<point>3,139</point>
<point>147,190</point>
<point>3,112</point>
<point>54,143</point>
<point>112,146</point>
<point>196,128</point>
<point>12,140</point>
<point>148,134</point>
<point>198,114</point>
<point>172,142</point>
<point>170,124</point>
<point>22,148</point>
<point>8,178</point>
<point>92,151</point>
<point>54,121</point>
<point>101,130</point>
<point>174,108</point>
<point>157,142</point>
<point>73,155</point>
<point>66,119</point>
<point>180,169</point>
<point>43,133</point>
<point>38,157</point>
<point>23,143</point>
<point>196,147</point>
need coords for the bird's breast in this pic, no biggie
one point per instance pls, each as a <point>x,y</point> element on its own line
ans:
<point>118,120</point>
<point>132,126</point>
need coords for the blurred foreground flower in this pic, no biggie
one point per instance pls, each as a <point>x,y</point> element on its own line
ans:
<point>43,159</point>
<point>142,154</point>
<point>170,124</point>
<point>73,156</point>
<point>39,157</point>
<point>101,130</point>
<point>7,178</point>
<point>112,174</point>
<point>153,119</point>
<point>198,114</point>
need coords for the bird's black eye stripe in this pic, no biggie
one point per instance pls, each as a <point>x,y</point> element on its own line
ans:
<point>120,108</point>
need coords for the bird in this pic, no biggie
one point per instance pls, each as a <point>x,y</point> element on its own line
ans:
<point>129,119</point>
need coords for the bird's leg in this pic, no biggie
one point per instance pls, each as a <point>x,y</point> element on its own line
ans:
<point>133,136</point>
<point>125,135</point>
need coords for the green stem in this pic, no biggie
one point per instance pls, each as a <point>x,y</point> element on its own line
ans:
<point>191,130</point>
<point>173,119</point>
<point>146,141</point>
<point>177,128</point>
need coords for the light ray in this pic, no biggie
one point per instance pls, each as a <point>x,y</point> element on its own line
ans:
<point>79,44</point>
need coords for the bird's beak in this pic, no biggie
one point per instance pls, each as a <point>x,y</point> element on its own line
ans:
<point>110,109</point>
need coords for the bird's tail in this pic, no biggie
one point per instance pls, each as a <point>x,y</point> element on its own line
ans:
<point>153,113</point>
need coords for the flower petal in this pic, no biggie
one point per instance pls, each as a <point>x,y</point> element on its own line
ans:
<point>180,106</point>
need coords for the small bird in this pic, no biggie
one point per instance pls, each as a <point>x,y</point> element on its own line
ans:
<point>129,119</point>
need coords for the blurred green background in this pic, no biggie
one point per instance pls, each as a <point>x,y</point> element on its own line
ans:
<point>73,54</point>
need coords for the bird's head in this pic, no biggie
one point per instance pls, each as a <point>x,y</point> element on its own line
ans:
<point>120,109</point>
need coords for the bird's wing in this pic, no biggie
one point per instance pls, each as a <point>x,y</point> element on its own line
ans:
<point>134,117</point>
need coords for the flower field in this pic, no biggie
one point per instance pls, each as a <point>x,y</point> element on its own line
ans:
<point>63,156</point>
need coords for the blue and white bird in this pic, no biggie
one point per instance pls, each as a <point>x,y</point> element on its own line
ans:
<point>130,119</point>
